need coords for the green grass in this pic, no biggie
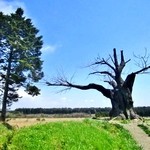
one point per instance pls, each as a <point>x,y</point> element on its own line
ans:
<point>6,134</point>
<point>145,129</point>
<point>86,135</point>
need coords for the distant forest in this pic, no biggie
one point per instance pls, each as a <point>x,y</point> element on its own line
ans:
<point>142,111</point>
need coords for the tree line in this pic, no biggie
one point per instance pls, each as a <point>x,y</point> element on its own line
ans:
<point>91,110</point>
<point>142,111</point>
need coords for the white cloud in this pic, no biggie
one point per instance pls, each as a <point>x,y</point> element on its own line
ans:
<point>25,95</point>
<point>8,7</point>
<point>50,48</point>
<point>89,100</point>
<point>64,98</point>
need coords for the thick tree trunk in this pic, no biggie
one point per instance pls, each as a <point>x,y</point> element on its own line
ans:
<point>121,98</point>
<point>4,103</point>
<point>122,104</point>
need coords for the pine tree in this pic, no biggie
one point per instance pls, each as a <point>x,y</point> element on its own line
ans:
<point>20,62</point>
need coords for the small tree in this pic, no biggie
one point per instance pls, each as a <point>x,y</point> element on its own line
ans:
<point>20,62</point>
<point>121,92</point>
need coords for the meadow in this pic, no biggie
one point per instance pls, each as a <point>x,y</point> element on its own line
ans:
<point>67,135</point>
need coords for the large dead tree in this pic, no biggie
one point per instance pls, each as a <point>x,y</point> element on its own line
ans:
<point>121,92</point>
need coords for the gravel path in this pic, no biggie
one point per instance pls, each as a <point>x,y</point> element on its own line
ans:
<point>138,134</point>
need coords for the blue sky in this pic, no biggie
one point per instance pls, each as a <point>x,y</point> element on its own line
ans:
<point>74,33</point>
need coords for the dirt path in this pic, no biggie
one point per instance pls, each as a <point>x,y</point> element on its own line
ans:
<point>138,134</point>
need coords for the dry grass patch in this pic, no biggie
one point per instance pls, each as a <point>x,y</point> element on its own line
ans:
<point>23,122</point>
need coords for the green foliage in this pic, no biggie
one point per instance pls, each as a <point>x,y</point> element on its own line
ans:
<point>6,133</point>
<point>86,135</point>
<point>20,47</point>
<point>32,90</point>
<point>20,53</point>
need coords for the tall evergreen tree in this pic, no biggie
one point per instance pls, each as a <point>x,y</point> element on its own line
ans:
<point>20,62</point>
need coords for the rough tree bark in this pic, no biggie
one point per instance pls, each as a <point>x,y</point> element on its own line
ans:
<point>4,102</point>
<point>121,93</point>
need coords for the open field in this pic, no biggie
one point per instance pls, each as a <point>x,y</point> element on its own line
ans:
<point>23,122</point>
<point>64,134</point>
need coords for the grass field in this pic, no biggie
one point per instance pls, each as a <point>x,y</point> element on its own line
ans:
<point>67,135</point>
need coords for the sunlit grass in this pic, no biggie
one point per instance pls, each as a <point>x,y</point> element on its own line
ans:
<point>86,135</point>
<point>5,135</point>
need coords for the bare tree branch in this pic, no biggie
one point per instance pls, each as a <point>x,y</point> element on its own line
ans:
<point>122,58</point>
<point>122,63</point>
<point>127,61</point>
<point>112,83</point>
<point>142,70</point>
<point>115,59</point>
<point>64,83</point>
<point>111,59</point>
<point>143,61</point>
<point>102,61</point>
<point>106,63</point>
<point>103,72</point>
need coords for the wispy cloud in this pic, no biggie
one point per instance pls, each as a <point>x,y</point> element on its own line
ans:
<point>8,7</point>
<point>50,48</point>
<point>22,93</point>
